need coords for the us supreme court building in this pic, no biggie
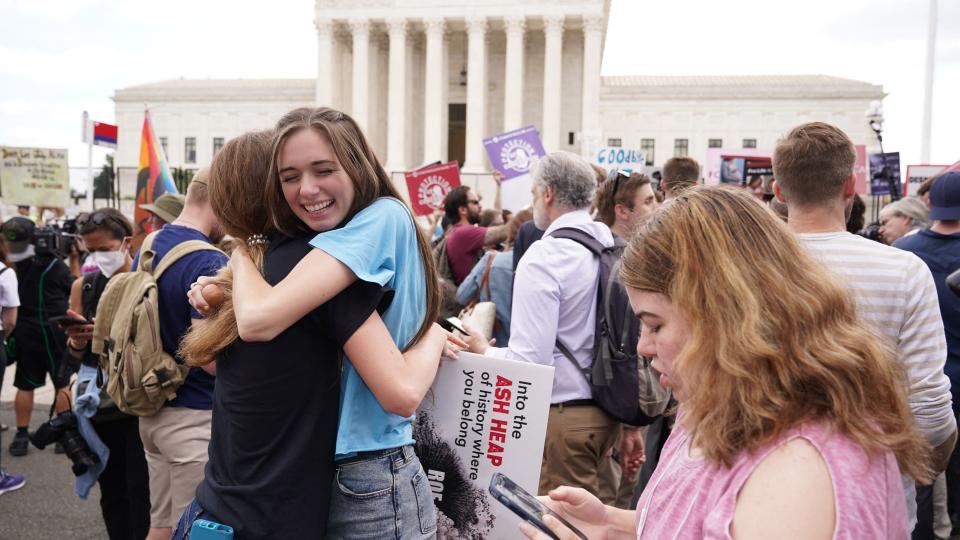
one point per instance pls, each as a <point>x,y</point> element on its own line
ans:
<point>429,79</point>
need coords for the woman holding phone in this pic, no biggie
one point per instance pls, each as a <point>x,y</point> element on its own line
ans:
<point>792,418</point>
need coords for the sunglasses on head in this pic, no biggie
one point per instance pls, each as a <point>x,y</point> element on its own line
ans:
<point>617,176</point>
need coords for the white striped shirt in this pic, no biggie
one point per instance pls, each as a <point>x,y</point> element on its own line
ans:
<point>896,293</point>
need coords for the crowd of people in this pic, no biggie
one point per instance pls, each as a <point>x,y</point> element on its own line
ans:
<point>810,373</point>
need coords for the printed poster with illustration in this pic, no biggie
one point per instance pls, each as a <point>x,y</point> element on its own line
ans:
<point>884,171</point>
<point>428,186</point>
<point>483,415</point>
<point>514,154</point>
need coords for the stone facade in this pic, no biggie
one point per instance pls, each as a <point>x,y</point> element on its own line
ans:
<point>430,88</point>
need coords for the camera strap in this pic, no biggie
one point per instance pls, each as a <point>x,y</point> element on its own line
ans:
<point>53,406</point>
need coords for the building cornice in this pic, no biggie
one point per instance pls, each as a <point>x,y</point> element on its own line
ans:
<point>206,90</point>
<point>737,87</point>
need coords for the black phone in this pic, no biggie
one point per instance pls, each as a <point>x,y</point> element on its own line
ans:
<point>68,320</point>
<point>525,505</point>
<point>452,324</point>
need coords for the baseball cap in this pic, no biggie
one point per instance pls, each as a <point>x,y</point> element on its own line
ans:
<point>945,197</point>
<point>18,231</point>
<point>167,206</point>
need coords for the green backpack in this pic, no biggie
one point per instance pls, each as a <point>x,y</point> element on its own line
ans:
<point>141,376</point>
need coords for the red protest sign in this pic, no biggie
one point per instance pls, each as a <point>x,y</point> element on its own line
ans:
<point>429,186</point>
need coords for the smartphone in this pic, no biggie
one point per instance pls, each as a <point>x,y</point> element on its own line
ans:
<point>210,530</point>
<point>525,505</point>
<point>68,320</point>
<point>452,324</point>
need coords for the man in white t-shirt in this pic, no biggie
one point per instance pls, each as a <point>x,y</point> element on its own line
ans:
<point>9,303</point>
<point>813,167</point>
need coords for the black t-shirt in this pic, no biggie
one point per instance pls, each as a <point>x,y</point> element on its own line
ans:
<point>44,286</point>
<point>275,412</point>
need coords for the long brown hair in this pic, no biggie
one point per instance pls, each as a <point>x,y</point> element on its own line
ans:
<point>237,176</point>
<point>369,178</point>
<point>775,340</point>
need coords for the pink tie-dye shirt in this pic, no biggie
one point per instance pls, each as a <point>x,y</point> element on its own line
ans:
<point>690,498</point>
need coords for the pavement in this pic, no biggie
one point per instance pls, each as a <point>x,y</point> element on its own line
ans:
<point>47,506</point>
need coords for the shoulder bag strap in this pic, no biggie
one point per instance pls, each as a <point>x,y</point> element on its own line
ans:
<point>181,249</point>
<point>145,262</point>
<point>569,355</point>
<point>485,280</point>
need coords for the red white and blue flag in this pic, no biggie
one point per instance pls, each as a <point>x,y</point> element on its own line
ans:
<point>104,134</point>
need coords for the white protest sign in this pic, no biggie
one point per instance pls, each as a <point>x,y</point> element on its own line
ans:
<point>613,158</point>
<point>483,415</point>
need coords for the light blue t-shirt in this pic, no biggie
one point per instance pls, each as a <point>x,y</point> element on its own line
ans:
<point>380,246</point>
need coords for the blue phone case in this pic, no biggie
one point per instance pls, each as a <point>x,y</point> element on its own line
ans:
<point>210,530</point>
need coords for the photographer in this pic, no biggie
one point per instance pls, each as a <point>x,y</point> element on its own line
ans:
<point>124,491</point>
<point>36,346</point>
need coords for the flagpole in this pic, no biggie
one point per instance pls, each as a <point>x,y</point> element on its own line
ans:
<point>928,84</point>
<point>88,136</point>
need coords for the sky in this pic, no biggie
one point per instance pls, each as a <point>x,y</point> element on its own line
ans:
<point>61,57</point>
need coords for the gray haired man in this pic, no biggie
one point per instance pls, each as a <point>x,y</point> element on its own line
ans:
<point>555,294</point>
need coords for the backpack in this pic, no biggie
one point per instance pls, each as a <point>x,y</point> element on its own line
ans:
<point>442,262</point>
<point>141,376</point>
<point>615,374</point>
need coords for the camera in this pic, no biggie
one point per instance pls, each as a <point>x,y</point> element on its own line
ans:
<point>62,428</point>
<point>58,238</point>
<point>872,232</point>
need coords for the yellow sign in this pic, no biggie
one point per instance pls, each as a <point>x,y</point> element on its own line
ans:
<point>35,176</point>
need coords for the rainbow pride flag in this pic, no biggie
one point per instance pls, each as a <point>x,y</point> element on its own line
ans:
<point>153,178</point>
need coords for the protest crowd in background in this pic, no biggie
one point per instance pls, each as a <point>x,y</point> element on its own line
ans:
<point>773,363</point>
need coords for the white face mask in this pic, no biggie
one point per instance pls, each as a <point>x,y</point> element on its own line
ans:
<point>108,261</point>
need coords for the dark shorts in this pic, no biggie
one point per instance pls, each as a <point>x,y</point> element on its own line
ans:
<point>35,361</point>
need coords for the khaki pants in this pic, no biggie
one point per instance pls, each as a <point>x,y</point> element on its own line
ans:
<point>578,441</point>
<point>175,442</point>
<point>616,489</point>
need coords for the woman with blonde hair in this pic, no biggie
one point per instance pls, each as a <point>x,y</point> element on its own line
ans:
<point>792,418</point>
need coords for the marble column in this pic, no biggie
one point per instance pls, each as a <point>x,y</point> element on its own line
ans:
<point>513,76</point>
<point>476,93</point>
<point>360,30</point>
<point>590,130</point>
<point>396,97</point>
<point>552,81</point>
<point>433,92</point>
<point>325,76</point>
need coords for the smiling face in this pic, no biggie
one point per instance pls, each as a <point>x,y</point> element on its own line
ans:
<point>314,184</point>
<point>664,333</point>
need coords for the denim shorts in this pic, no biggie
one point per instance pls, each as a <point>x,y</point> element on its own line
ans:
<point>382,494</point>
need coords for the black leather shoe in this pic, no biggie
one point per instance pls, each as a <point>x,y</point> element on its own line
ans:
<point>20,444</point>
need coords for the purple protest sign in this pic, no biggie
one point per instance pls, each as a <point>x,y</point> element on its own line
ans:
<point>515,152</point>
<point>884,172</point>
